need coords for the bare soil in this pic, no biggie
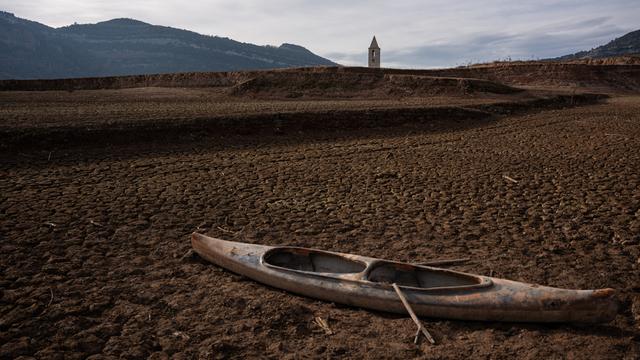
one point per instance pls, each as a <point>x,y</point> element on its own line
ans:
<point>609,76</point>
<point>96,259</point>
<point>370,85</point>
<point>91,108</point>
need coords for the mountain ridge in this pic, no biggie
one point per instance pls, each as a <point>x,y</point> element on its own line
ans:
<point>627,44</point>
<point>124,46</point>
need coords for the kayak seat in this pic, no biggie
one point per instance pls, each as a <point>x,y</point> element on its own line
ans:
<point>312,261</point>
<point>418,277</point>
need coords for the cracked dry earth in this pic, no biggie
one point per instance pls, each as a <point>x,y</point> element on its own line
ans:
<point>114,277</point>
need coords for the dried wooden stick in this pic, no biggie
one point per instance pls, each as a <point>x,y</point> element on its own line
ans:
<point>95,223</point>
<point>407,306</point>
<point>226,230</point>
<point>323,324</point>
<point>510,179</point>
<point>416,338</point>
<point>50,300</point>
<point>444,262</point>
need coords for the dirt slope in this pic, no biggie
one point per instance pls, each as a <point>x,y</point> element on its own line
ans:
<point>595,77</point>
<point>617,60</point>
<point>352,84</point>
<point>614,78</point>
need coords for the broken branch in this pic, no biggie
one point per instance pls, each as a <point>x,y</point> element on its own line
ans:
<point>416,338</point>
<point>95,223</point>
<point>51,299</point>
<point>227,230</point>
<point>407,306</point>
<point>323,324</point>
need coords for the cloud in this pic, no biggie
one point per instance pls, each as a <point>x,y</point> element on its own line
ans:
<point>412,33</point>
<point>554,41</point>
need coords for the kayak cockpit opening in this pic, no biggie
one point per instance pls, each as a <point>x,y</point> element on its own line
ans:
<point>420,277</point>
<point>312,261</point>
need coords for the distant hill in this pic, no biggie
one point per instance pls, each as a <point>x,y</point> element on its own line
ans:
<point>625,45</point>
<point>30,50</point>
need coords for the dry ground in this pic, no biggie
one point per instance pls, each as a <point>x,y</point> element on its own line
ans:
<point>102,107</point>
<point>114,277</point>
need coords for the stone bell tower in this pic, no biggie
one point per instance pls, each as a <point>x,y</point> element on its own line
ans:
<point>374,54</point>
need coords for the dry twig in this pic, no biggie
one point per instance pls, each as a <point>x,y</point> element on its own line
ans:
<point>182,335</point>
<point>416,338</point>
<point>50,300</point>
<point>95,223</point>
<point>510,179</point>
<point>407,306</point>
<point>229,231</point>
<point>323,324</point>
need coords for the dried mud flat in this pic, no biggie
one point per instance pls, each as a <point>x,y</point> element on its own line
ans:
<point>91,108</point>
<point>95,241</point>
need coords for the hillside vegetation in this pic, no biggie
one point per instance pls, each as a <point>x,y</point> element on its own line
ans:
<point>625,45</point>
<point>29,50</point>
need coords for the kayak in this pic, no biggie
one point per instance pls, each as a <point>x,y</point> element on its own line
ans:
<point>367,282</point>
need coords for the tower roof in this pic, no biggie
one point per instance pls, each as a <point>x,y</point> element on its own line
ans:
<point>374,44</point>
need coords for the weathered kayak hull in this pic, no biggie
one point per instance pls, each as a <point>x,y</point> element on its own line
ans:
<point>360,281</point>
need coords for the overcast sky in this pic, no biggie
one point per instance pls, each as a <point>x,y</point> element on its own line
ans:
<point>411,33</point>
